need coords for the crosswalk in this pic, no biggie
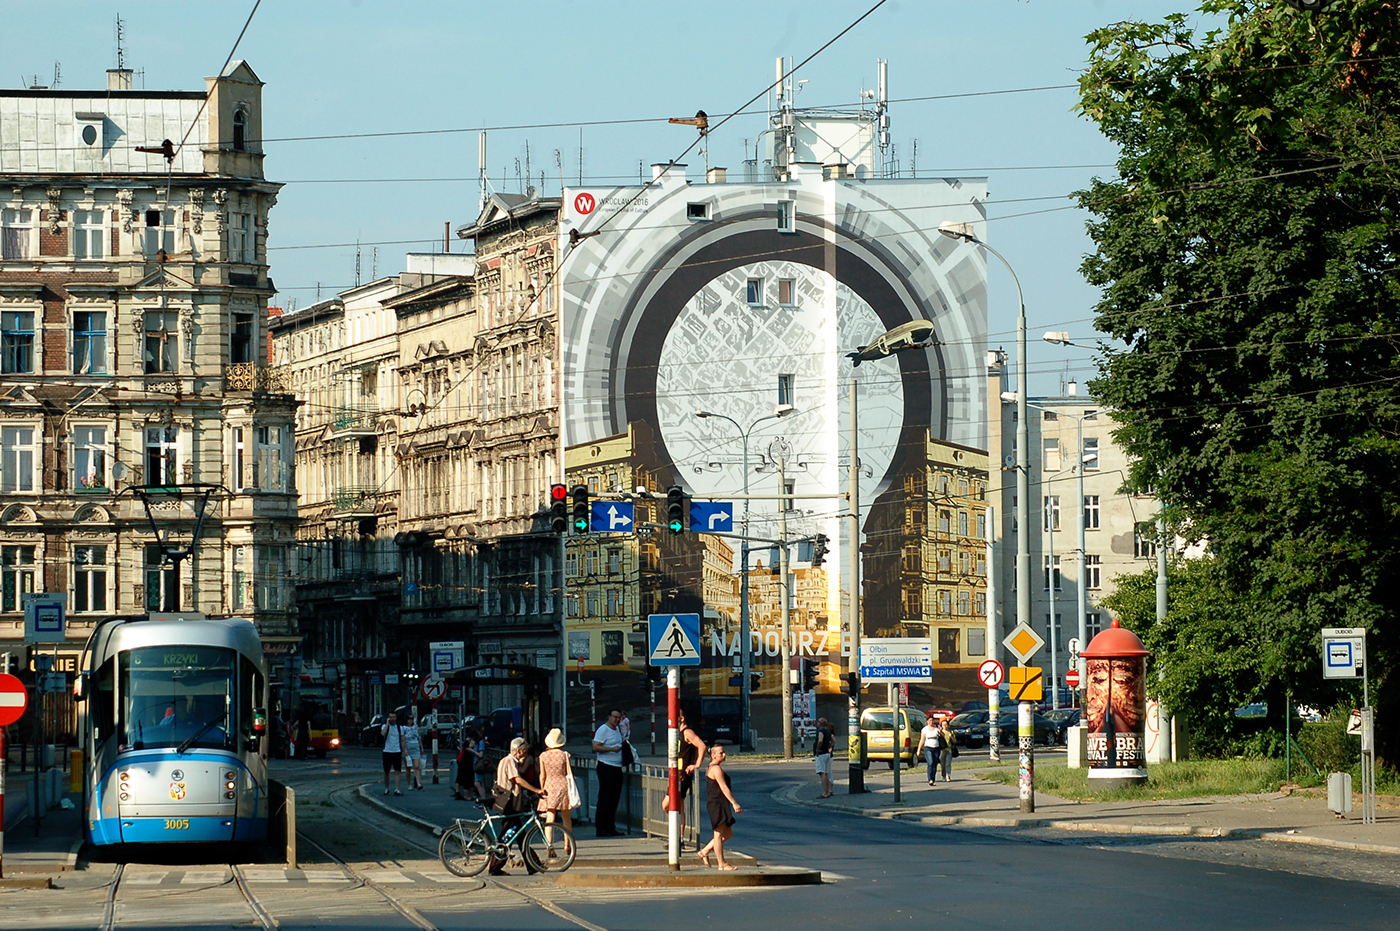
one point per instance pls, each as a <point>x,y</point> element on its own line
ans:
<point>212,877</point>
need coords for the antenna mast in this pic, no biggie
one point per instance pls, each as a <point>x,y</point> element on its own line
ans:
<point>882,116</point>
<point>121,35</point>
<point>481,169</point>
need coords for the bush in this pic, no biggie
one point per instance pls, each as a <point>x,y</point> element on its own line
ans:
<point>1330,748</point>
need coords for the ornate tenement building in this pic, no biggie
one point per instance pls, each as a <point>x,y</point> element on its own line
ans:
<point>133,304</point>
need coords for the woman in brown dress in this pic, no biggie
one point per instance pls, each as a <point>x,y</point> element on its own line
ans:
<point>555,775</point>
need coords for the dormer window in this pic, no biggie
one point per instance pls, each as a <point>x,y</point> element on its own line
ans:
<point>240,130</point>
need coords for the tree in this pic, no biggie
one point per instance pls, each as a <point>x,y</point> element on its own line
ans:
<point>1247,260</point>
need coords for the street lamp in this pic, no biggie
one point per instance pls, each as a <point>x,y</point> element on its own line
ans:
<point>746,660</point>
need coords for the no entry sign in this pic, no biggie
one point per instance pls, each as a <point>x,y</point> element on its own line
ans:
<point>13,699</point>
<point>990,673</point>
<point>1072,677</point>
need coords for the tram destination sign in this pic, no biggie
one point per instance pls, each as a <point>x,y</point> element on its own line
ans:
<point>896,659</point>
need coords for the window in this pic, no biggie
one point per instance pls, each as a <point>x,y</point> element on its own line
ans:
<point>239,478</point>
<point>240,348</point>
<point>17,341</point>
<point>16,576</point>
<point>161,443</point>
<point>976,642</point>
<point>89,342</point>
<point>571,605</point>
<point>16,459</point>
<point>89,458</point>
<point>964,603</point>
<point>945,601</point>
<point>614,561</point>
<point>787,291</point>
<point>1050,514</point>
<point>697,211</point>
<point>1049,416</point>
<point>980,605</point>
<point>591,608</point>
<point>89,578</point>
<point>1059,637</point>
<point>159,233</point>
<point>267,573</point>
<point>1051,462</point>
<point>753,292</point>
<point>269,472</point>
<point>1091,512</point>
<point>88,235</point>
<point>1093,572</point>
<point>912,560</point>
<point>1091,454</point>
<point>945,561</point>
<point>1093,625</point>
<point>571,563</point>
<point>614,602</point>
<point>239,599</point>
<point>161,329</point>
<point>162,580</point>
<point>240,238</point>
<point>1049,572</point>
<point>962,523</point>
<point>16,233</point>
<point>786,217</point>
<point>240,130</point>
<point>785,389</point>
<point>1144,540</point>
<point>944,522</point>
<point>1091,415</point>
<point>981,525</point>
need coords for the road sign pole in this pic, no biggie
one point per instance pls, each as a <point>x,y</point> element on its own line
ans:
<point>673,759</point>
<point>855,775</point>
<point>895,758</point>
<point>4,763</point>
<point>435,742</point>
<point>993,641</point>
<point>1025,719</point>
<point>785,592</point>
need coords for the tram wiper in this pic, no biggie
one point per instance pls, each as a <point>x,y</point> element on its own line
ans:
<point>189,741</point>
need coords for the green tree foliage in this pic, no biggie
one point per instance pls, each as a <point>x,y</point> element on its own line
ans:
<point>1247,260</point>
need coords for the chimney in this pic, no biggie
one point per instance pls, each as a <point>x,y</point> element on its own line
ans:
<point>716,175</point>
<point>671,171</point>
<point>1072,389</point>
<point>119,79</point>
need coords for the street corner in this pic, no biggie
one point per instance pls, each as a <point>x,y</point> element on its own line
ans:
<point>661,877</point>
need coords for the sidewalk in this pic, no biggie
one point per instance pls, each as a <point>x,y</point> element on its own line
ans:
<point>55,848</point>
<point>969,801</point>
<point>635,861</point>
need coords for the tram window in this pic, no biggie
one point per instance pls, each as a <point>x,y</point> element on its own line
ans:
<point>250,693</point>
<point>171,694</point>
<point>104,700</point>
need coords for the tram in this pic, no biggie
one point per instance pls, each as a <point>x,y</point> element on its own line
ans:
<point>174,731</point>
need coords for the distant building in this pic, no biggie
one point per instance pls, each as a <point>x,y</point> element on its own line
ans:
<point>133,368</point>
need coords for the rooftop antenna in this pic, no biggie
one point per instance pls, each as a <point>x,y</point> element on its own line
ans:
<point>580,156</point>
<point>374,266</point>
<point>357,262</point>
<point>529,188</point>
<point>558,163</point>
<point>519,184</point>
<point>481,169</point>
<point>56,70</point>
<point>882,116</point>
<point>701,122</point>
<point>121,36</point>
<point>914,160</point>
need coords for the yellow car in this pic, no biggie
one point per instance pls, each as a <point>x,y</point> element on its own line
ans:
<point>877,724</point>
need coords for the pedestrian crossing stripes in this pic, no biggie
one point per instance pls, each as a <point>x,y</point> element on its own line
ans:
<point>207,877</point>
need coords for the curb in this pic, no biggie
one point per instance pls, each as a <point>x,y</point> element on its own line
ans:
<point>27,882</point>
<point>618,879</point>
<point>367,796</point>
<point>788,796</point>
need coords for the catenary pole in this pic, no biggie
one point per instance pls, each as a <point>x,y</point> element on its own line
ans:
<point>855,775</point>
<point>993,642</point>
<point>783,592</point>
<point>673,758</point>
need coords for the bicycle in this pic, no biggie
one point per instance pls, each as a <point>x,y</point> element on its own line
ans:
<point>468,846</point>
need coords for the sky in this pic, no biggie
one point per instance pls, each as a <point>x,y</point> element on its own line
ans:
<point>530,71</point>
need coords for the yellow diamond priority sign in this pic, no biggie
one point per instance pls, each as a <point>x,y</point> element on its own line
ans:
<point>1025,682</point>
<point>1024,642</point>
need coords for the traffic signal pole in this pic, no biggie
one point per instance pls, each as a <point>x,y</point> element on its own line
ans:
<point>673,758</point>
<point>855,775</point>
<point>785,592</point>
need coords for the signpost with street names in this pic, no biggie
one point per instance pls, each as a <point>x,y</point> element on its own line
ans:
<point>896,659</point>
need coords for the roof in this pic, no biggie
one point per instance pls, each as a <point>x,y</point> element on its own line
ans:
<point>504,208</point>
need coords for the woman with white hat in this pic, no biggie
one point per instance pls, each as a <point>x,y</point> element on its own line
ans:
<point>560,791</point>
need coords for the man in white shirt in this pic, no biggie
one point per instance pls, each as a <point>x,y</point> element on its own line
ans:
<point>607,744</point>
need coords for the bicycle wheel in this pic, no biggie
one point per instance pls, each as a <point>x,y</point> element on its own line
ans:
<point>464,849</point>
<point>542,855</point>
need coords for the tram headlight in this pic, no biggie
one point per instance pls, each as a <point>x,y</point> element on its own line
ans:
<point>230,794</point>
<point>124,797</point>
<point>230,785</point>
<point>230,775</point>
<point>124,777</point>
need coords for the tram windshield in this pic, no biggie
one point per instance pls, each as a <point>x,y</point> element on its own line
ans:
<point>176,696</point>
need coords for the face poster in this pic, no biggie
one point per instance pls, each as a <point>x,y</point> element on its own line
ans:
<point>1117,714</point>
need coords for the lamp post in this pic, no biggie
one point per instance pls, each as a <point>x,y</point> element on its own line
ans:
<point>745,647</point>
<point>963,231</point>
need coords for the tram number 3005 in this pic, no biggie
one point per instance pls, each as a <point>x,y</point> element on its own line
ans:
<point>177,824</point>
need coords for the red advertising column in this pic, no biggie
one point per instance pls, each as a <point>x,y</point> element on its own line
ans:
<point>1116,708</point>
<point>673,759</point>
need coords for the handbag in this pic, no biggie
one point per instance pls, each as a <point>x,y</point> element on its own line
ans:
<point>503,801</point>
<point>955,749</point>
<point>575,800</point>
<point>628,755</point>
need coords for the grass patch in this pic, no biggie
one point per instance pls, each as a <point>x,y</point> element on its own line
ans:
<point>1187,779</point>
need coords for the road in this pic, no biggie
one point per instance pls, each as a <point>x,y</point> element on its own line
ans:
<point>881,875</point>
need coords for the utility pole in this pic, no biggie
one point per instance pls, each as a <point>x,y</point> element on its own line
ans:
<point>993,642</point>
<point>1051,579</point>
<point>855,776</point>
<point>783,593</point>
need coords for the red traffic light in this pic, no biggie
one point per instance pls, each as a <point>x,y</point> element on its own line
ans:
<point>558,492</point>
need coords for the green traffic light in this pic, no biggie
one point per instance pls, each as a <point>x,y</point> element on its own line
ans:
<point>580,526</point>
<point>676,527</point>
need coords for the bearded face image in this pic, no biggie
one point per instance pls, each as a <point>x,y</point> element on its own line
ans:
<point>1097,698</point>
<point>1116,683</point>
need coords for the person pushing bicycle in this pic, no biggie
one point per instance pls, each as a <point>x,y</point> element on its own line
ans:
<point>509,796</point>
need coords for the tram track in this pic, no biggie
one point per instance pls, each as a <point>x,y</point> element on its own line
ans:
<point>236,878</point>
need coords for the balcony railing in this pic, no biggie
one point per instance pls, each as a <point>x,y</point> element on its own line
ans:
<point>354,420</point>
<point>250,376</point>
<point>354,499</point>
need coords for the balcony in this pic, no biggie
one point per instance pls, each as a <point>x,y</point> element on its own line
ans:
<point>354,421</point>
<point>354,500</point>
<point>250,376</point>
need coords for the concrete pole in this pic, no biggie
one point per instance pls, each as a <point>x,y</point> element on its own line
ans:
<point>745,647</point>
<point>1163,716</point>
<point>673,763</point>
<point>895,744</point>
<point>855,775</point>
<point>783,593</point>
<point>993,641</point>
<point>1082,596</point>
<point>1050,573</point>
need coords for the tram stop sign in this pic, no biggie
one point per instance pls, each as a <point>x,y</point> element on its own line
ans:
<point>13,699</point>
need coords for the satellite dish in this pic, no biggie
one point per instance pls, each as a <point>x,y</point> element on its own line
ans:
<point>1010,460</point>
<point>119,470</point>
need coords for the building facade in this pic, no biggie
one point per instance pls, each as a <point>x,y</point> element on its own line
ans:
<point>137,391</point>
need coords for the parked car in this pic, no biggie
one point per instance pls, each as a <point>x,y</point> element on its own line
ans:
<point>503,725</point>
<point>1010,729</point>
<point>964,725</point>
<point>1063,719</point>
<point>448,725</point>
<point>715,717</point>
<point>369,734</point>
<point>877,724</point>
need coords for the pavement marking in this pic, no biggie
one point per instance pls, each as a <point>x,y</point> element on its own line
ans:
<point>385,876</point>
<point>322,876</point>
<point>143,879</point>
<point>207,877</point>
<point>265,875</point>
<point>442,876</point>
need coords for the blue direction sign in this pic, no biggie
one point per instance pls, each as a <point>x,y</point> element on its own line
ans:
<point>711,516</point>
<point>611,517</point>
<point>674,639</point>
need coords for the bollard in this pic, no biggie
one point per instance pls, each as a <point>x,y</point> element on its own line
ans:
<point>75,771</point>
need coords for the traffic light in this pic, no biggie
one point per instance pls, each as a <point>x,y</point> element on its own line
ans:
<point>755,681</point>
<point>809,675</point>
<point>675,509</point>
<point>819,548</point>
<point>852,681</point>
<point>558,508</point>
<point>581,519</point>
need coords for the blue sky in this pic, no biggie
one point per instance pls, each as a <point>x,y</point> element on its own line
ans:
<point>336,68</point>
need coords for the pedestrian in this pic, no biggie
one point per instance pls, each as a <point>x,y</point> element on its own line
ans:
<point>560,790</point>
<point>692,752</point>
<point>412,752</point>
<point>509,797</point>
<point>468,758</point>
<point>946,750</point>
<point>392,732</point>
<point>720,801</point>
<point>930,741</point>
<point>822,748</point>
<point>607,744</point>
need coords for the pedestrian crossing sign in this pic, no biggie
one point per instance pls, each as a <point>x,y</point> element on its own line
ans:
<point>674,639</point>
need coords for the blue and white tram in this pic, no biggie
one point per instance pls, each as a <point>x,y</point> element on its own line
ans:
<point>175,732</point>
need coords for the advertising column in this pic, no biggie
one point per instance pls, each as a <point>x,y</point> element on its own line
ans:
<point>1116,708</point>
